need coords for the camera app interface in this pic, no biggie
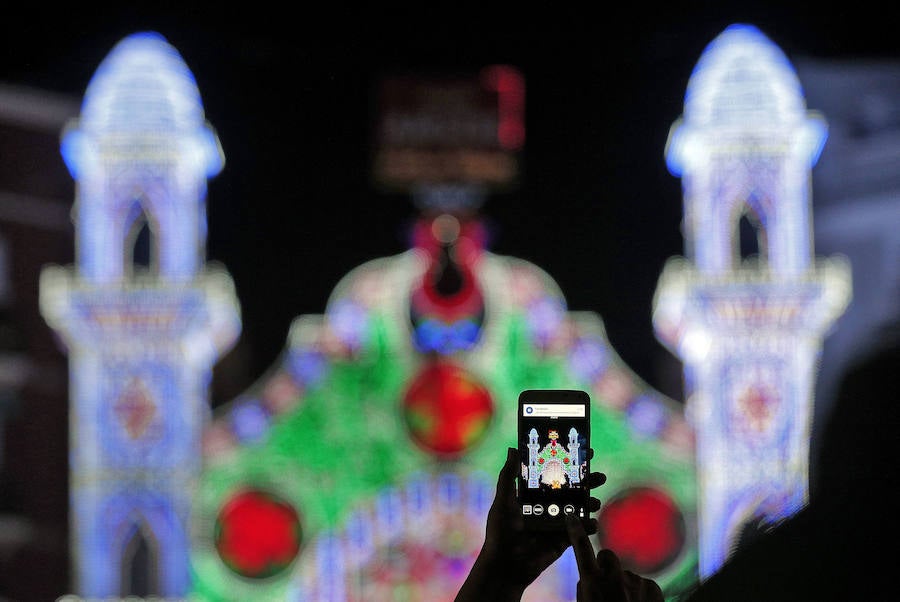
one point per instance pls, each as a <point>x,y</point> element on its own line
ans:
<point>553,446</point>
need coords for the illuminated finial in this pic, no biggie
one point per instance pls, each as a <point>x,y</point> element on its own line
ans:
<point>742,82</point>
<point>142,97</point>
<point>141,152</point>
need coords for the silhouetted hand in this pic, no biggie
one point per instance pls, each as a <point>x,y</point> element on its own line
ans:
<point>513,557</point>
<point>602,578</point>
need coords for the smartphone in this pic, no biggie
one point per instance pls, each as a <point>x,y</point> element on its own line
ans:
<point>554,438</point>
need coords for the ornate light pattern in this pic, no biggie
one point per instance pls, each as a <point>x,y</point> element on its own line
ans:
<point>748,329</point>
<point>141,339</point>
<point>368,436</point>
<point>322,448</point>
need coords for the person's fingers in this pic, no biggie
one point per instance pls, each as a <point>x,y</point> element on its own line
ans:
<point>506,488</point>
<point>581,545</point>
<point>511,464</point>
<point>609,567</point>
<point>639,588</point>
<point>645,590</point>
<point>551,549</point>
<point>653,592</point>
<point>590,525</point>
<point>590,453</point>
<point>595,479</point>
<point>503,508</point>
<point>594,504</point>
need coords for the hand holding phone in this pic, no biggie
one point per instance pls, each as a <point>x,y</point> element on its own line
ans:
<point>554,452</point>
<point>511,557</point>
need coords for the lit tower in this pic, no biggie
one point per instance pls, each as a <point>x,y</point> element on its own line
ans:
<point>574,472</point>
<point>748,307</point>
<point>143,320</point>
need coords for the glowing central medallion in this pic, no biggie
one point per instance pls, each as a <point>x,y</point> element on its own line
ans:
<point>446,409</point>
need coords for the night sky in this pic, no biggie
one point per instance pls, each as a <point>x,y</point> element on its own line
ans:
<point>291,98</point>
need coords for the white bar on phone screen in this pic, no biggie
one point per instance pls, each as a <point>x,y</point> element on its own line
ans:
<point>545,410</point>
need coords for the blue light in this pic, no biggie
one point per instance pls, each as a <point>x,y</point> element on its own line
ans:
<point>588,359</point>
<point>435,335</point>
<point>250,421</point>
<point>350,322</point>
<point>647,417</point>
<point>545,316</point>
<point>307,367</point>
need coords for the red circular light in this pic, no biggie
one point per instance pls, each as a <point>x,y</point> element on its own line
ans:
<point>446,410</point>
<point>644,527</point>
<point>257,534</point>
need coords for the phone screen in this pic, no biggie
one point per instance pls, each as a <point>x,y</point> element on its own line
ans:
<point>554,446</point>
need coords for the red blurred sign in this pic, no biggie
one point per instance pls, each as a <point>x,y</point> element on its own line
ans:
<point>450,130</point>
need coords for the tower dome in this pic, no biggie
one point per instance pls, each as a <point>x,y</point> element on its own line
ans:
<point>143,84</point>
<point>141,152</point>
<point>144,100</point>
<point>743,79</point>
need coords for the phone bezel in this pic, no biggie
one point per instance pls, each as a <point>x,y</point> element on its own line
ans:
<point>551,396</point>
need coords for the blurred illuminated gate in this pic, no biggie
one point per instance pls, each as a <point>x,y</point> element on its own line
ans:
<point>362,465</point>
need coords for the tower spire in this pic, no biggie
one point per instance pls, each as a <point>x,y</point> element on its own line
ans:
<point>141,342</point>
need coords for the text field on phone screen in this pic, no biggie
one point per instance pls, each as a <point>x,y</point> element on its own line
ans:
<point>568,410</point>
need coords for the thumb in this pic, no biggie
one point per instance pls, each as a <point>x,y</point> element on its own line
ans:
<point>507,478</point>
<point>609,566</point>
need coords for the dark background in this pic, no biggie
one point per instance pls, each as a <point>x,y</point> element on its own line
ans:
<point>291,97</point>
